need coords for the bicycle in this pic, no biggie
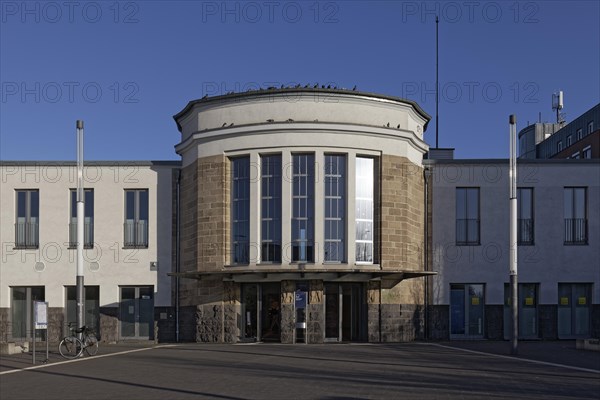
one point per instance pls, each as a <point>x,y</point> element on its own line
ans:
<point>72,347</point>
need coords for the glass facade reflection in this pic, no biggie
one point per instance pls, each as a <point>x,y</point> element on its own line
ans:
<point>271,208</point>
<point>240,210</point>
<point>364,209</point>
<point>335,207</point>
<point>303,178</point>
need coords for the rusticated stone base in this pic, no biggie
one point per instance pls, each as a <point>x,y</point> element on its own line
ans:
<point>373,323</point>
<point>439,325</point>
<point>5,327</point>
<point>315,324</point>
<point>288,324</point>
<point>494,322</point>
<point>548,318</point>
<point>109,324</point>
<point>209,322</point>
<point>401,322</point>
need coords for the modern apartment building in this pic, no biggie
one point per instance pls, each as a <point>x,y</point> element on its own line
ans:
<point>128,246</point>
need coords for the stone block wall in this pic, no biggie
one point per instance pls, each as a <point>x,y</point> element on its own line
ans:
<point>402,211</point>
<point>232,312</point>
<point>439,322</point>
<point>109,324</point>
<point>494,322</point>
<point>548,318</point>
<point>315,313</point>
<point>5,327</point>
<point>288,319</point>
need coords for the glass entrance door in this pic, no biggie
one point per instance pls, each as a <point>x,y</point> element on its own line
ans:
<point>527,310</point>
<point>574,310</point>
<point>345,312</point>
<point>137,312</point>
<point>466,311</point>
<point>22,310</point>
<point>250,321</point>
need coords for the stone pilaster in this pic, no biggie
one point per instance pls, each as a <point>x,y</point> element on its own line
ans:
<point>373,311</point>
<point>231,312</point>
<point>288,319</point>
<point>315,313</point>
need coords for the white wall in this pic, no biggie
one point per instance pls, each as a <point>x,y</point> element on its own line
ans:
<point>548,262</point>
<point>117,266</point>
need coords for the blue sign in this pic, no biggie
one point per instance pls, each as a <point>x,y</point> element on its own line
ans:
<point>300,299</point>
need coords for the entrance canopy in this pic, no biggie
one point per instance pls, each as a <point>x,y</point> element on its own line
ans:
<point>390,278</point>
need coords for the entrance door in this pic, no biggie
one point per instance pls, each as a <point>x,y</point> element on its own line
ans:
<point>466,311</point>
<point>574,310</point>
<point>527,310</point>
<point>344,312</point>
<point>137,312</point>
<point>250,322</point>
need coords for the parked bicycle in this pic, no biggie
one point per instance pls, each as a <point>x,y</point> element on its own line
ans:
<point>71,346</point>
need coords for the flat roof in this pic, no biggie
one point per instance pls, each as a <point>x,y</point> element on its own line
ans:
<point>142,163</point>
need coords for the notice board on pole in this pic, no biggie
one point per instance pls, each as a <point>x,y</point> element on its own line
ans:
<point>40,309</point>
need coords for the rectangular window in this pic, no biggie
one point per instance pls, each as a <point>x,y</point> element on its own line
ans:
<point>91,306</point>
<point>365,193</point>
<point>467,216</point>
<point>569,140</point>
<point>525,216</point>
<point>575,215</point>
<point>88,221</point>
<point>271,209</point>
<point>559,146</point>
<point>590,127</point>
<point>303,178</point>
<point>28,214</point>
<point>579,134</point>
<point>240,210</point>
<point>575,156</point>
<point>136,218</point>
<point>335,208</point>
<point>586,152</point>
<point>22,309</point>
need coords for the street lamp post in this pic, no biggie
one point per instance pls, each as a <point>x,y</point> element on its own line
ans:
<point>513,232</point>
<point>80,227</point>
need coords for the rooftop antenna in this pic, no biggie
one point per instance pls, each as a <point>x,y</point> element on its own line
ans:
<point>557,104</point>
<point>437,86</point>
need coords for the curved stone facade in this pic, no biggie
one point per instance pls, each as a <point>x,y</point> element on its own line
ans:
<point>302,216</point>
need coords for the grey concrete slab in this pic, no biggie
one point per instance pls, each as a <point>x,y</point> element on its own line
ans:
<point>275,371</point>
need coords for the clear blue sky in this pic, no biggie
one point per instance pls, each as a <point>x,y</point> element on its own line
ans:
<point>127,67</point>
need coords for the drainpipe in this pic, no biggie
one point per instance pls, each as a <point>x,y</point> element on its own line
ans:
<point>177,251</point>
<point>426,176</point>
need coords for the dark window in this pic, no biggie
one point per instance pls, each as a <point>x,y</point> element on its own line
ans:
<point>240,210</point>
<point>136,218</point>
<point>303,181</point>
<point>575,215</point>
<point>335,207</point>
<point>27,226</point>
<point>467,216</point>
<point>271,209</point>
<point>525,228</point>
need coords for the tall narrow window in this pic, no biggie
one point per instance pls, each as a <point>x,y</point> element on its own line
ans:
<point>364,209</point>
<point>28,214</point>
<point>240,210</point>
<point>271,209</point>
<point>335,208</point>
<point>136,218</point>
<point>586,152</point>
<point>575,215</point>
<point>569,140</point>
<point>525,216</point>
<point>579,134</point>
<point>590,127</point>
<point>303,181</point>
<point>88,222</point>
<point>559,146</point>
<point>467,216</point>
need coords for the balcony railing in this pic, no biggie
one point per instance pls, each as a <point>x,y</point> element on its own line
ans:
<point>136,233</point>
<point>467,232</point>
<point>88,234</point>
<point>576,231</point>
<point>525,231</point>
<point>27,235</point>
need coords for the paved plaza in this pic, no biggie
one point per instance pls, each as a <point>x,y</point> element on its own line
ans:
<point>452,370</point>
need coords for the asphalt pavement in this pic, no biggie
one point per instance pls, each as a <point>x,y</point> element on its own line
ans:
<point>419,370</point>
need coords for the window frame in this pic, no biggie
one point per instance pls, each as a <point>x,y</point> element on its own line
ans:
<point>520,220</point>
<point>137,242</point>
<point>270,216</point>
<point>27,237</point>
<point>576,230</point>
<point>305,245</point>
<point>466,241</point>
<point>335,180</point>
<point>240,210</point>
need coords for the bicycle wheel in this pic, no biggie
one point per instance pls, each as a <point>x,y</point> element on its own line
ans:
<point>70,347</point>
<point>91,344</point>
